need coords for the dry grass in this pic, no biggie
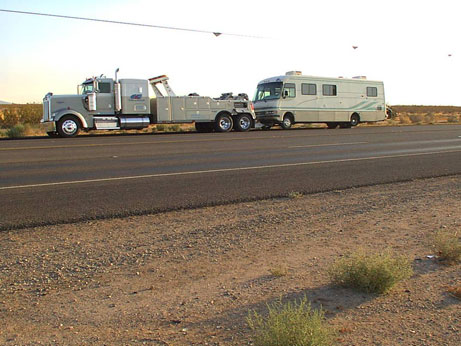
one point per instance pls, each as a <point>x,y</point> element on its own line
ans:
<point>295,195</point>
<point>447,244</point>
<point>279,271</point>
<point>290,324</point>
<point>370,273</point>
<point>453,118</point>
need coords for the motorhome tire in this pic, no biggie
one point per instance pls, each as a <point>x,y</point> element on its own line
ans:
<point>287,122</point>
<point>224,123</point>
<point>332,125</point>
<point>68,126</point>
<point>242,123</point>
<point>355,119</point>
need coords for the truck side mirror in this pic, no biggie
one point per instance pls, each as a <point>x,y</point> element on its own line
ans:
<point>285,93</point>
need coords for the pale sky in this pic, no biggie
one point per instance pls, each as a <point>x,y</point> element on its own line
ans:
<point>404,43</point>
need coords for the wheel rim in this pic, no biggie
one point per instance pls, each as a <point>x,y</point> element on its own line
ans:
<point>287,122</point>
<point>69,127</point>
<point>225,123</point>
<point>354,120</point>
<point>245,123</point>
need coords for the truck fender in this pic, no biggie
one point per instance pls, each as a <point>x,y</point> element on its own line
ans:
<point>60,114</point>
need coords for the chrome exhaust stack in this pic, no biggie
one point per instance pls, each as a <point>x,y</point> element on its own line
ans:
<point>117,93</point>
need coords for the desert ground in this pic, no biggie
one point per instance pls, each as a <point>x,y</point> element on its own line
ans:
<point>190,277</point>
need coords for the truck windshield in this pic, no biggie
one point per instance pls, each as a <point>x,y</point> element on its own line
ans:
<point>87,88</point>
<point>268,91</point>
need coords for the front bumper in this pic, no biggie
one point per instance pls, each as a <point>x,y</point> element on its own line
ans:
<point>48,126</point>
<point>268,119</point>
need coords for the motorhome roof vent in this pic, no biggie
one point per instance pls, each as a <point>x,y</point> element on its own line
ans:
<point>294,73</point>
<point>360,77</point>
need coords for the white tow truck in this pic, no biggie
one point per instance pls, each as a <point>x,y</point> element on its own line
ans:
<point>110,104</point>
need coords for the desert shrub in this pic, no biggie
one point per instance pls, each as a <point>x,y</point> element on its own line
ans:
<point>429,118</point>
<point>416,118</point>
<point>425,109</point>
<point>375,273</point>
<point>452,119</point>
<point>16,131</point>
<point>290,324</point>
<point>278,271</point>
<point>403,118</point>
<point>12,115</point>
<point>160,127</point>
<point>175,128</point>
<point>295,195</point>
<point>447,243</point>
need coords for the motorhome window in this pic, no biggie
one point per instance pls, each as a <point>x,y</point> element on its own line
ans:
<point>372,92</point>
<point>104,88</point>
<point>268,91</point>
<point>308,89</point>
<point>291,88</point>
<point>329,90</point>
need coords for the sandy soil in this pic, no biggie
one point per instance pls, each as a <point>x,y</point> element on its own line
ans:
<point>190,277</point>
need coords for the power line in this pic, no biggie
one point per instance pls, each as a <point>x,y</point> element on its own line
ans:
<point>216,33</point>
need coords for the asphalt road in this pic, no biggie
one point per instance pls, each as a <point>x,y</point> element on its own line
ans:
<point>48,181</point>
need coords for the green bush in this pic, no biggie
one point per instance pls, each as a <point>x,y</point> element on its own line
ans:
<point>16,131</point>
<point>290,324</point>
<point>376,273</point>
<point>448,246</point>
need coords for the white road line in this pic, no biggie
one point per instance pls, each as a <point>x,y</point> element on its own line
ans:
<point>325,145</point>
<point>159,175</point>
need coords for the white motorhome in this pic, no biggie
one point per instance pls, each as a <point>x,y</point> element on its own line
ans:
<point>294,98</point>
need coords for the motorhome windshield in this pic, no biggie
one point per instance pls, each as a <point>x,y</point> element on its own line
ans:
<point>268,91</point>
<point>87,88</point>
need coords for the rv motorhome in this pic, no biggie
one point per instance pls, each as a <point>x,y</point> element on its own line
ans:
<point>294,98</point>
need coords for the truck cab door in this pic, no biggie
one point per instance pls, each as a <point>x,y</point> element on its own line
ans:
<point>105,99</point>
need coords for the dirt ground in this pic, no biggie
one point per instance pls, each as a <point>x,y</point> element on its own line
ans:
<point>190,277</point>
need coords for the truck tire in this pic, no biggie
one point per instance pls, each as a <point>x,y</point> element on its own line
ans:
<point>287,122</point>
<point>68,126</point>
<point>204,127</point>
<point>243,123</point>
<point>223,123</point>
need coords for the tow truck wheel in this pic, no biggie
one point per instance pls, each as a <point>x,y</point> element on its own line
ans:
<point>287,122</point>
<point>53,134</point>
<point>224,123</point>
<point>68,126</point>
<point>243,123</point>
